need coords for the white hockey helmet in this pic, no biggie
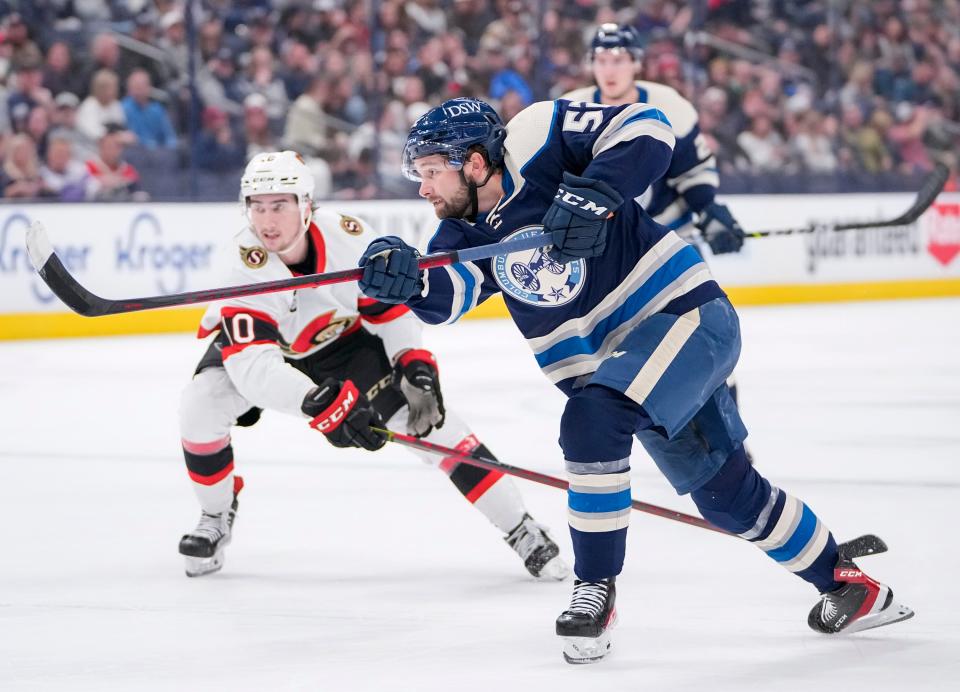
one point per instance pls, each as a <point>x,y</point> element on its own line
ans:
<point>279,172</point>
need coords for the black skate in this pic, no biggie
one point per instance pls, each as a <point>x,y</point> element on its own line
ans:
<point>585,626</point>
<point>861,603</point>
<point>203,547</point>
<point>540,555</point>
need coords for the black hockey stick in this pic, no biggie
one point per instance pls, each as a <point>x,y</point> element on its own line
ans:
<point>536,477</point>
<point>931,187</point>
<point>88,304</point>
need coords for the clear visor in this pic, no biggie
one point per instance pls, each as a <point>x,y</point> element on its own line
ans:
<point>419,165</point>
<point>633,53</point>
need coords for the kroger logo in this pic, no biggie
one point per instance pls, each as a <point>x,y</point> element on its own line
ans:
<point>14,258</point>
<point>143,249</point>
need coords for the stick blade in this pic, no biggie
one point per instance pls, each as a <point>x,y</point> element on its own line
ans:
<point>928,192</point>
<point>38,244</point>
<point>56,276</point>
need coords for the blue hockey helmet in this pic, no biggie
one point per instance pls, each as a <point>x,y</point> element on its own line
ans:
<point>451,129</point>
<point>617,37</point>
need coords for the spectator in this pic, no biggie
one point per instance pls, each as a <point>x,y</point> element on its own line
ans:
<point>20,177</point>
<point>144,31</point>
<point>220,85</point>
<point>299,66</point>
<point>64,120</point>
<point>146,118</point>
<point>60,73</point>
<point>104,55</point>
<point>864,148</point>
<point>28,88</point>
<point>218,149</point>
<point>813,146</point>
<point>256,126</point>
<point>426,17</point>
<point>113,179</point>
<point>260,78</point>
<point>16,37</point>
<point>763,145</point>
<point>173,43</point>
<point>101,106</point>
<point>906,136</point>
<point>305,129</point>
<point>63,176</point>
<point>38,127</point>
<point>472,17</point>
<point>511,103</point>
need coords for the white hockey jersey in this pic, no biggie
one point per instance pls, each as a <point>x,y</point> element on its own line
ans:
<point>260,332</point>
<point>691,181</point>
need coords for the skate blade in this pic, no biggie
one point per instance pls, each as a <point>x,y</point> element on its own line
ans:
<point>889,615</point>
<point>199,566</point>
<point>581,650</point>
<point>555,569</point>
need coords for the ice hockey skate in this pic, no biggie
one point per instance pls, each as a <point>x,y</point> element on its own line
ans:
<point>540,554</point>
<point>203,548</point>
<point>861,603</point>
<point>585,625</point>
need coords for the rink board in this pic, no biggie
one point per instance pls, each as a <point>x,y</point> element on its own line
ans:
<point>131,250</point>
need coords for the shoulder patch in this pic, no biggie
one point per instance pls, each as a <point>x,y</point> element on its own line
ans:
<point>254,257</point>
<point>350,225</point>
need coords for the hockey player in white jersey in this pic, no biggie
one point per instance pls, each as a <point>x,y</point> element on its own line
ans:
<point>684,199</point>
<point>329,355</point>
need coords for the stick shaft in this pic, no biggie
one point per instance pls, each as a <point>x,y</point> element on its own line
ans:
<point>83,301</point>
<point>535,476</point>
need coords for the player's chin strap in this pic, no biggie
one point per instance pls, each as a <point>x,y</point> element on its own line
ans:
<point>472,188</point>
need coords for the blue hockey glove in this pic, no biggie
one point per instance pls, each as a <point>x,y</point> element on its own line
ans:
<point>578,218</point>
<point>719,229</point>
<point>390,272</point>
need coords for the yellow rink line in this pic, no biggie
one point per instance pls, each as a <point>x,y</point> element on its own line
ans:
<point>46,325</point>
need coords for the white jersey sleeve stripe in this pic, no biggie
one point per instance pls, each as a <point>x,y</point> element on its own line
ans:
<point>633,122</point>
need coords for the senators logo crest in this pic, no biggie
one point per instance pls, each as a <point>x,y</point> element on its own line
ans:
<point>350,225</point>
<point>254,257</point>
<point>323,328</point>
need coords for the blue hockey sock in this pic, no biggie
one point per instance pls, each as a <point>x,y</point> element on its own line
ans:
<point>596,434</point>
<point>742,501</point>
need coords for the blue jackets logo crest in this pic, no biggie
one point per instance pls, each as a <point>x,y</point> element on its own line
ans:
<point>530,276</point>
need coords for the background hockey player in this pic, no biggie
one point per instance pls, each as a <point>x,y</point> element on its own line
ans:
<point>625,319</point>
<point>684,199</point>
<point>342,361</point>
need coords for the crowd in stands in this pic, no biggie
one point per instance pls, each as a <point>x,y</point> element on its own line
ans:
<point>96,100</point>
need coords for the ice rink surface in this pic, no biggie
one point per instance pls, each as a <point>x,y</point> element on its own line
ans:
<point>356,571</point>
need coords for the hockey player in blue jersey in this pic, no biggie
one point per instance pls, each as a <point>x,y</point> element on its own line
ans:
<point>684,199</point>
<point>626,319</point>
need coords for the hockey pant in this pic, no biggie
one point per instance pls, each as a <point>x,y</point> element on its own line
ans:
<point>667,387</point>
<point>210,406</point>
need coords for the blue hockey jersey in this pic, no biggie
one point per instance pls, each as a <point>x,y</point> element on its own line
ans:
<point>692,180</point>
<point>573,315</point>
